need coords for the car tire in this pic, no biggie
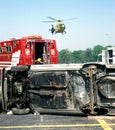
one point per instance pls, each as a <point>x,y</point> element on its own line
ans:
<point>17,111</point>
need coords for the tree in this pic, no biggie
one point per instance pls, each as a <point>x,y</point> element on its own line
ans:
<point>88,57</point>
<point>96,51</point>
<point>65,56</point>
<point>81,56</point>
<point>77,56</point>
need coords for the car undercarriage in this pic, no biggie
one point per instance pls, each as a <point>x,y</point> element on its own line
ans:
<point>64,89</point>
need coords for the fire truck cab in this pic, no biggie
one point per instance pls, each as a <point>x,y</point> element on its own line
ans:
<point>26,51</point>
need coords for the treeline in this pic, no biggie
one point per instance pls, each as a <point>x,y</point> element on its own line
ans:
<point>81,56</point>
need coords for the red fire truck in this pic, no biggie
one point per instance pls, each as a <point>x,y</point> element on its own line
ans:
<point>26,50</point>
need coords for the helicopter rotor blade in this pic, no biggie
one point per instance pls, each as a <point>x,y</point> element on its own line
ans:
<point>48,21</point>
<point>70,19</point>
<point>58,20</point>
<point>52,18</point>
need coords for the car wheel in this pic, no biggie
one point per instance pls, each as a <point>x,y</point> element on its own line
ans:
<point>18,111</point>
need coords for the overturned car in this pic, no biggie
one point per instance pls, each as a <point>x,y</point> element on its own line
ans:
<point>64,89</point>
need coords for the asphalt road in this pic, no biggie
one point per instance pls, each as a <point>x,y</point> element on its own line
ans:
<point>56,122</point>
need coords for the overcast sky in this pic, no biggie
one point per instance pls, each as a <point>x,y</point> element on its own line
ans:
<point>95,23</point>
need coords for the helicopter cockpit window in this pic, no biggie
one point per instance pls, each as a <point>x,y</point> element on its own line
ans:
<point>8,48</point>
<point>62,25</point>
<point>0,49</point>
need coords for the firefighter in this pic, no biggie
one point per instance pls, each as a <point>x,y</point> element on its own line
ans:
<point>39,61</point>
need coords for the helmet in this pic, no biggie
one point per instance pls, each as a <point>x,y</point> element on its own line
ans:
<point>39,60</point>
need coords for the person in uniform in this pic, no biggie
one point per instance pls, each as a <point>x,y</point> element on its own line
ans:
<point>39,61</point>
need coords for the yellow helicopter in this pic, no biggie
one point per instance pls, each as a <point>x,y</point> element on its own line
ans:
<point>59,26</point>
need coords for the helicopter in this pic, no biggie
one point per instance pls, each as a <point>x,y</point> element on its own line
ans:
<point>59,26</point>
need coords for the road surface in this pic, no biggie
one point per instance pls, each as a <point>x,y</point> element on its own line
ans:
<point>56,122</point>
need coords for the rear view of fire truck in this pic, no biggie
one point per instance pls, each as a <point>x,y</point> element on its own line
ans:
<point>27,51</point>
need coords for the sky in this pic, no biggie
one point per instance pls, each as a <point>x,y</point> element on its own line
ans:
<point>94,23</point>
